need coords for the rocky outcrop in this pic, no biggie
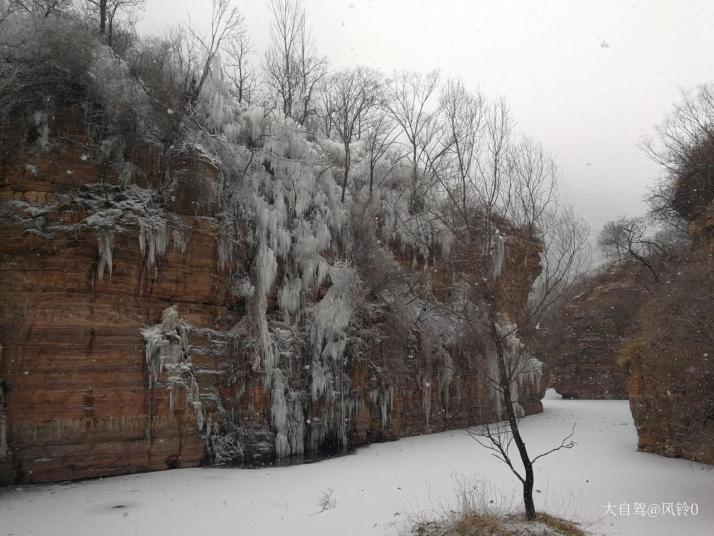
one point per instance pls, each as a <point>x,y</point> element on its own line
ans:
<point>126,343</point>
<point>670,358</point>
<point>583,338</point>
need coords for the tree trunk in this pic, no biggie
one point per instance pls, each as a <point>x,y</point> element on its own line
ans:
<point>110,25</point>
<point>505,386</point>
<point>347,170</point>
<point>414,162</point>
<point>102,17</point>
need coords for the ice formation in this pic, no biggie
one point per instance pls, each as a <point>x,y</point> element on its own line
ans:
<point>105,245</point>
<point>168,351</point>
<point>295,221</point>
<point>498,254</point>
<point>383,398</point>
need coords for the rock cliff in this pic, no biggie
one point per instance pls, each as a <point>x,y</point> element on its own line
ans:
<point>625,335</point>
<point>587,332</point>
<point>670,359</point>
<point>128,345</point>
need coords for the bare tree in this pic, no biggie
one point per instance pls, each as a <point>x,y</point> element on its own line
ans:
<point>482,177</point>
<point>494,184</point>
<point>534,185</point>
<point>464,117</point>
<point>379,136</point>
<point>410,102</point>
<point>479,159</point>
<point>237,67</point>
<point>664,210</point>
<point>566,256</point>
<point>292,69</point>
<point>628,238</point>
<point>684,147</point>
<point>38,8</point>
<point>505,365</point>
<point>350,95</point>
<point>498,438</point>
<point>107,11</point>
<point>477,176</point>
<point>690,124</point>
<point>227,24</point>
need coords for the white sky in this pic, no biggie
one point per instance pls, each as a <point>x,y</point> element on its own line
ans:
<point>588,79</point>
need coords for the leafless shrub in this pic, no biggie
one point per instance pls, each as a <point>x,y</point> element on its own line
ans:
<point>327,500</point>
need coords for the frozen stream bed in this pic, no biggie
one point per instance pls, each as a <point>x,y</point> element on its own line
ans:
<point>379,488</point>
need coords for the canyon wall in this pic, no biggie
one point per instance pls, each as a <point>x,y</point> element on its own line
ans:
<point>126,347</point>
<point>625,334</point>
<point>670,358</point>
<point>588,332</point>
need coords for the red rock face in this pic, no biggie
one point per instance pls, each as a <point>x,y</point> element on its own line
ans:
<point>593,326</point>
<point>671,364</point>
<point>78,399</point>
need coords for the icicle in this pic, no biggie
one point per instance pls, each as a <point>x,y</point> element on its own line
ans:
<point>499,254</point>
<point>105,244</point>
<point>383,399</point>
<point>153,239</point>
<point>287,419</point>
<point>179,241</point>
<point>446,378</point>
<point>322,380</point>
<point>426,401</point>
<point>279,416</point>
<point>289,296</point>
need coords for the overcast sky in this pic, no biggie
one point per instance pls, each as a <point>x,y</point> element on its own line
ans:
<point>588,79</point>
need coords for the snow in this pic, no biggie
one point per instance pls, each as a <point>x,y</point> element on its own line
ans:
<point>380,487</point>
<point>168,352</point>
<point>111,210</point>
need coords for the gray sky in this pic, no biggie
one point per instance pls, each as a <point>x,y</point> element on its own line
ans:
<point>588,79</point>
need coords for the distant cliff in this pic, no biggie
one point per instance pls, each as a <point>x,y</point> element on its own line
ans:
<point>581,341</point>
<point>626,335</point>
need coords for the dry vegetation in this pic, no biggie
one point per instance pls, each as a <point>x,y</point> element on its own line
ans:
<point>485,525</point>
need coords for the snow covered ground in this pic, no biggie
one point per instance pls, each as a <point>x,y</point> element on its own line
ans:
<point>378,489</point>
